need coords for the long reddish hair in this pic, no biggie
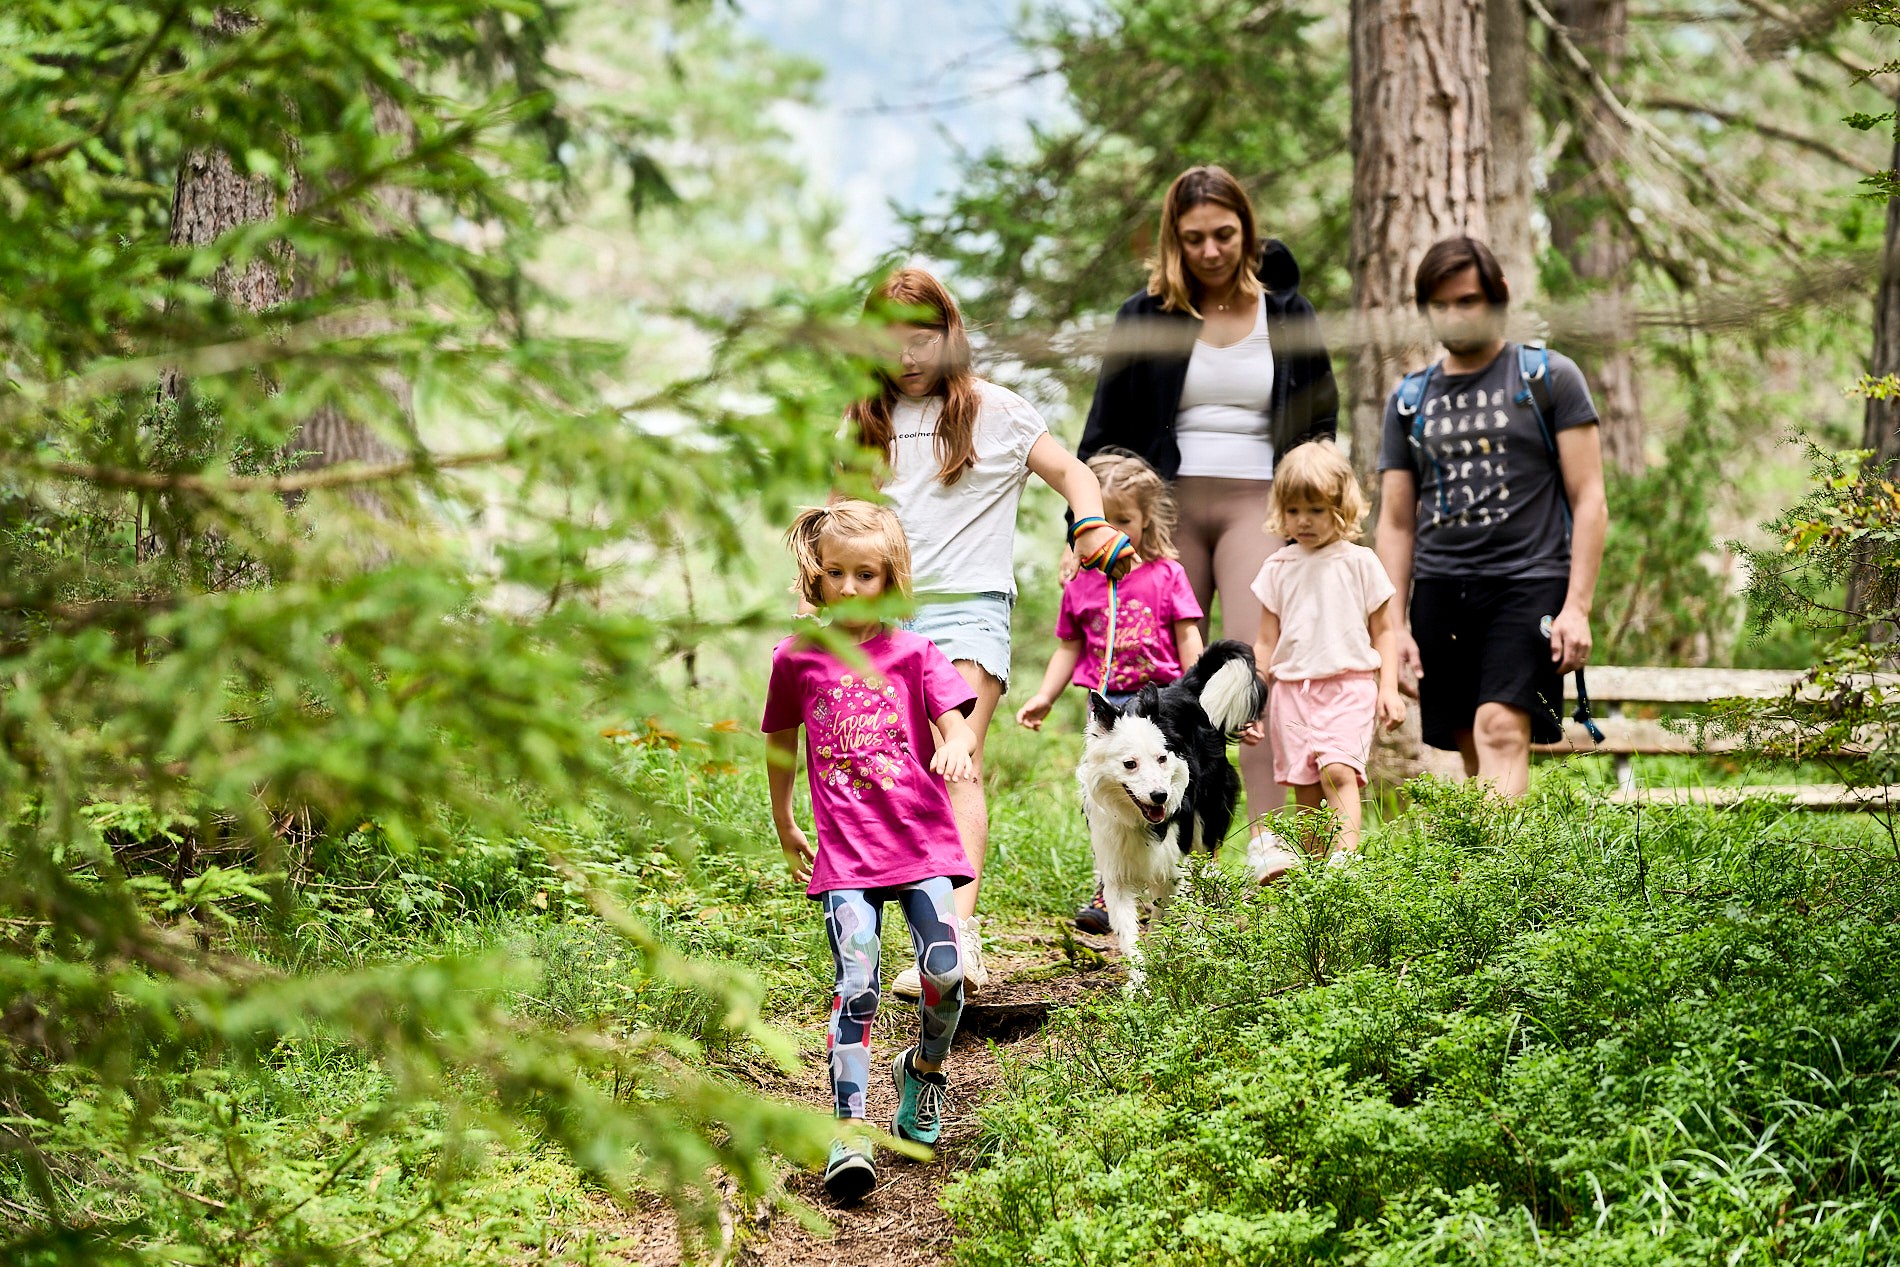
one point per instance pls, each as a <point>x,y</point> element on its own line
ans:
<point>934,309</point>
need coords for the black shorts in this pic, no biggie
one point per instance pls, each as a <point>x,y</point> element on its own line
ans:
<point>1480,642</point>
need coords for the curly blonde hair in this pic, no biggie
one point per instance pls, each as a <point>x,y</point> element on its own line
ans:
<point>1318,473</point>
<point>847,520</point>
<point>1123,475</point>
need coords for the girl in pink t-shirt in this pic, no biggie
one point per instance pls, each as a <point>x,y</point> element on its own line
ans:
<point>1326,647</point>
<point>1157,634</point>
<point>880,810</point>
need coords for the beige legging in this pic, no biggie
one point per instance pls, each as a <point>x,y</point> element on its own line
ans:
<point>1222,546</point>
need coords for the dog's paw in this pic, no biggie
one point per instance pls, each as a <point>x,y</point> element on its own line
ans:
<point>1137,981</point>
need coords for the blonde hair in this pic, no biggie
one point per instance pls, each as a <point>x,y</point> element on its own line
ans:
<point>847,520</point>
<point>1168,274</point>
<point>1124,475</point>
<point>915,289</point>
<point>1316,472</point>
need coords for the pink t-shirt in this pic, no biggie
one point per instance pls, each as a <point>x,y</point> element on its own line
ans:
<point>882,817</point>
<point>1147,603</point>
<point>1323,598</point>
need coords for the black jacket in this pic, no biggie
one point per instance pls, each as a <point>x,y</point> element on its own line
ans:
<point>1139,391</point>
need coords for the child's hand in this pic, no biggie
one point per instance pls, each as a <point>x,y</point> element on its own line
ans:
<point>1033,713</point>
<point>1253,732</point>
<point>954,761</point>
<point>1391,709</point>
<point>798,852</point>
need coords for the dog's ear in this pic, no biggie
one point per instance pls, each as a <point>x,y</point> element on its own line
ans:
<point>1103,713</point>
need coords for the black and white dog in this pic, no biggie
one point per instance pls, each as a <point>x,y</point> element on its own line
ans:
<point>1156,781</point>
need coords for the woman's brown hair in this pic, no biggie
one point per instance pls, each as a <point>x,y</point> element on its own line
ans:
<point>1126,477</point>
<point>930,306</point>
<point>1168,274</point>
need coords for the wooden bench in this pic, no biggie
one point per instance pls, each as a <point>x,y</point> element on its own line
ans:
<point>1612,687</point>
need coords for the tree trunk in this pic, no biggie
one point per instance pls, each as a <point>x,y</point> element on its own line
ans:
<point>211,199</point>
<point>1589,201</point>
<point>1507,52</point>
<point>1421,131</point>
<point>1880,431</point>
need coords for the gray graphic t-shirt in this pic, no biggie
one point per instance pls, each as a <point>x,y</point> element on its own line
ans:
<point>1490,498</point>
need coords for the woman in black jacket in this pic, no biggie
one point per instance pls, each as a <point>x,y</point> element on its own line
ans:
<point>1213,373</point>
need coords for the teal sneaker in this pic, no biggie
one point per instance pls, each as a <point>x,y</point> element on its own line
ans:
<point>919,1101</point>
<point>850,1173</point>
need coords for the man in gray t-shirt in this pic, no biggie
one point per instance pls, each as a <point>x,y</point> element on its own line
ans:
<point>1491,521</point>
<point>1492,500</point>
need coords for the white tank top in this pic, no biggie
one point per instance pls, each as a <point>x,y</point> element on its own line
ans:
<point>1222,423</point>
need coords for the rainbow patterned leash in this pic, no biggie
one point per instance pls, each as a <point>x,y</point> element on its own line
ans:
<point>1104,561</point>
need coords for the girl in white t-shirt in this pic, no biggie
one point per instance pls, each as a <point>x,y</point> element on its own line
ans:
<point>1326,648</point>
<point>959,451</point>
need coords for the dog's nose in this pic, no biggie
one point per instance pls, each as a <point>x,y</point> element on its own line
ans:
<point>1159,797</point>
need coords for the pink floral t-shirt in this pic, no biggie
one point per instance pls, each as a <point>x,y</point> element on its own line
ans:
<point>1147,603</point>
<point>881,817</point>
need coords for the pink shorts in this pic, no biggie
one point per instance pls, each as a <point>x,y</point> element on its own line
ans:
<point>1320,722</point>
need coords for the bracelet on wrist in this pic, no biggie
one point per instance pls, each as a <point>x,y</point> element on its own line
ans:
<point>1080,525</point>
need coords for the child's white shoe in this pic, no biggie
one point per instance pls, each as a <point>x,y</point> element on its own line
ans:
<point>976,973</point>
<point>1269,857</point>
<point>909,984</point>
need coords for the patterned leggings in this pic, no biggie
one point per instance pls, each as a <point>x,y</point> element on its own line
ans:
<point>854,922</point>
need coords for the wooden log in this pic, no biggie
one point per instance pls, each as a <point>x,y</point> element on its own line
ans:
<point>1627,736</point>
<point>1637,683</point>
<point>1680,686</point>
<point>1811,796</point>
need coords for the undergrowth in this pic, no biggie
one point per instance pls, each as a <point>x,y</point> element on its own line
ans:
<point>1549,1032</point>
<point>309,1150</point>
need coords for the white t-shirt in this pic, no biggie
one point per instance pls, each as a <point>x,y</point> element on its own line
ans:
<point>962,536</point>
<point>1323,598</point>
<point>1221,425</point>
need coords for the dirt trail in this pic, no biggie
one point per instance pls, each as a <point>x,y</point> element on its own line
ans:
<point>902,1223</point>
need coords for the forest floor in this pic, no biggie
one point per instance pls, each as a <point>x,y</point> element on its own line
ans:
<point>902,1223</point>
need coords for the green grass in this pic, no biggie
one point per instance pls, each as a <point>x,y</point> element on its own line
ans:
<point>1444,1049</point>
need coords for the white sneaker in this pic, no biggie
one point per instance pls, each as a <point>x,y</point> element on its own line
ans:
<point>976,975</point>
<point>909,984</point>
<point>1269,857</point>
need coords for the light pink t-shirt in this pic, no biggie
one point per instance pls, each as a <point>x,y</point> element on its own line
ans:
<point>1323,598</point>
<point>1147,603</point>
<point>881,817</point>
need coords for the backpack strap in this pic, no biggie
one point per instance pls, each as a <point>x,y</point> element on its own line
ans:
<point>1410,400</point>
<point>1411,392</point>
<point>1533,369</point>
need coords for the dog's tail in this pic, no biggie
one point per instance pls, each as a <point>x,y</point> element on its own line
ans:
<point>1227,684</point>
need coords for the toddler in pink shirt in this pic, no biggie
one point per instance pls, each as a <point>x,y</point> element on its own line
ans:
<point>1156,616</point>
<point>1326,647</point>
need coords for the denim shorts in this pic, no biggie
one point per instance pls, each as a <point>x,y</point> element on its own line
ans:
<point>970,627</point>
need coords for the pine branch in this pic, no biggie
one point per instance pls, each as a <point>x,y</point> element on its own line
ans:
<point>1798,32</point>
<point>342,475</point>
<point>1684,166</point>
<point>53,153</point>
<point>1732,119</point>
